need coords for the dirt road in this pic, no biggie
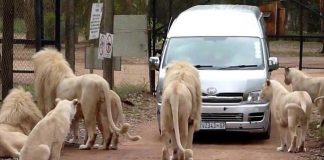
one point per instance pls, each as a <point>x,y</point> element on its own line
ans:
<point>211,146</point>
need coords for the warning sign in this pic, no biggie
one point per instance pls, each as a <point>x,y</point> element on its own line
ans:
<point>105,46</point>
<point>95,20</point>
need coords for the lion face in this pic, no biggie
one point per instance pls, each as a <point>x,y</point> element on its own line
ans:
<point>287,76</point>
<point>266,92</point>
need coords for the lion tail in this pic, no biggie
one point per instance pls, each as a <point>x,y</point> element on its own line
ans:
<point>317,99</point>
<point>111,122</point>
<point>299,108</point>
<point>121,117</point>
<point>174,101</point>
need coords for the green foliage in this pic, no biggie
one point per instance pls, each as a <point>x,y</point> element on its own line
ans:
<point>49,25</point>
<point>27,87</point>
<point>19,25</point>
<point>125,89</point>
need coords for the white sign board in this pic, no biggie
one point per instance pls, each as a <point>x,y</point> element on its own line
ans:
<point>96,14</point>
<point>105,46</point>
<point>130,36</point>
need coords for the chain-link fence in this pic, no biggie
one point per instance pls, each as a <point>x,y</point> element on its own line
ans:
<point>24,39</point>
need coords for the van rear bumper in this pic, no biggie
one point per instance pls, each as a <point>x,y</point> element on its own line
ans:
<point>252,118</point>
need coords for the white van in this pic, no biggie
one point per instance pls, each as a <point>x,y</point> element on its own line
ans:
<point>228,45</point>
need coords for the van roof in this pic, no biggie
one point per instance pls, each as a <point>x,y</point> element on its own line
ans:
<point>218,20</point>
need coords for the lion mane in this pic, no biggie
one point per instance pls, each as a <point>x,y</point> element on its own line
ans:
<point>18,116</point>
<point>19,110</point>
<point>47,77</point>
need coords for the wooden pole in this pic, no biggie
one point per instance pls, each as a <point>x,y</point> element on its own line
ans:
<point>108,24</point>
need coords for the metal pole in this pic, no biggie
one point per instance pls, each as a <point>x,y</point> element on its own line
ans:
<point>108,24</point>
<point>38,43</point>
<point>58,24</point>
<point>170,10</point>
<point>7,48</point>
<point>301,44</point>
<point>70,33</point>
<point>322,22</point>
<point>41,22</point>
<point>154,25</point>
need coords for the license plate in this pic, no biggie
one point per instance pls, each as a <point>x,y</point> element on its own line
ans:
<point>212,125</point>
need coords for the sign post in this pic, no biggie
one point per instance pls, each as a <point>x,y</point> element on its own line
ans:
<point>95,20</point>
<point>96,14</point>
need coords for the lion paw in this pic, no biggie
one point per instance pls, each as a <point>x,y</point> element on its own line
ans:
<point>302,149</point>
<point>96,146</point>
<point>84,147</point>
<point>16,155</point>
<point>318,126</point>
<point>280,149</point>
<point>291,150</point>
<point>113,147</point>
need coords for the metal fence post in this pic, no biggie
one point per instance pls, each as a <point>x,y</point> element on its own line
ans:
<point>38,43</point>
<point>58,24</point>
<point>7,47</point>
<point>301,39</point>
<point>70,33</point>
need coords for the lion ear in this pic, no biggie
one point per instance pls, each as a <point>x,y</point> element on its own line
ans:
<point>57,100</point>
<point>287,69</point>
<point>268,82</point>
<point>75,102</point>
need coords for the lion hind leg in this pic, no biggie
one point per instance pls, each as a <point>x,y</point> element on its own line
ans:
<point>165,151</point>
<point>114,141</point>
<point>91,131</point>
<point>292,127</point>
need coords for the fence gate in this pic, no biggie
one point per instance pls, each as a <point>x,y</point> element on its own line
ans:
<point>25,26</point>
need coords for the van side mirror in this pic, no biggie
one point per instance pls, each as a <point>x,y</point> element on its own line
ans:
<point>273,63</point>
<point>154,63</point>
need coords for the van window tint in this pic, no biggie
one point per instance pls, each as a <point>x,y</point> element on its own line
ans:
<point>218,52</point>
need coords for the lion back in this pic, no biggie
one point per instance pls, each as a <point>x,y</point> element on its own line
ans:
<point>19,110</point>
<point>181,70</point>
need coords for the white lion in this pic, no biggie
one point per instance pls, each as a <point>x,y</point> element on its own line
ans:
<point>54,78</point>
<point>314,86</point>
<point>46,139</point>
<point>18,116</point>
<point>180,110</point>
<point>291,111</point>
